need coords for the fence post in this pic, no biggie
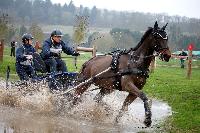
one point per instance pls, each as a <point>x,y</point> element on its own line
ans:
<point>37,46</point>
<point>1,49</point>
<point>153,64</point>
<point>92,50</point>
<point>189,69</point>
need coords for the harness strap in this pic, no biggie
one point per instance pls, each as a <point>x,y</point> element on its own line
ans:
<point>128,71</point>
<point>114,66</point>
<point>115,59</point>
<point>118,75</point>
<point>117,83</point>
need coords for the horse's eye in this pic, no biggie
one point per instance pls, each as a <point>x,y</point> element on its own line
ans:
<point>157,36</point>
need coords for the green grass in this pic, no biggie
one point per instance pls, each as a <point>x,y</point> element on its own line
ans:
<point>70,61</point>
<point>8,61</point>
<point>176,63</point>
<point>182,94</point>
<point>166,83</point>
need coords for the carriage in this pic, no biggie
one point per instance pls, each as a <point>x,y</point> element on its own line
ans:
<point>60,81</point>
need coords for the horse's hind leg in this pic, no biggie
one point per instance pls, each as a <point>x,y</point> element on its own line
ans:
<point>98,98</point>
<point>129,99</point>
<point>78,92</point>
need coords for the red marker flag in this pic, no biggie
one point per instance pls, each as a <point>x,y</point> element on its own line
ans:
<point>190,46</point>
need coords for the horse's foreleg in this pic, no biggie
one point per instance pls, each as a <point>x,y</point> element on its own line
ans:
<point>129,99</point>
<point>131,88</point>
<point>147,107</point>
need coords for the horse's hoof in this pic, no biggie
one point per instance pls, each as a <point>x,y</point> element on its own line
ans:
<point>68,96</point>
<point>76,101</point>
<point>147,122</point>
<point>117,119</point>
<point>71,106</point>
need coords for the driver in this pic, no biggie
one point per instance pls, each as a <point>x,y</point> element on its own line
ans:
<point>24,65</point>
<point>51,52</point>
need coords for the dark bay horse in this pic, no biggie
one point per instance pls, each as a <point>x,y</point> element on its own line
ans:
<point>131,72</point>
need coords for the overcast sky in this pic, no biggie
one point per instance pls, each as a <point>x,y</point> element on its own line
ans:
<point>188,8</point>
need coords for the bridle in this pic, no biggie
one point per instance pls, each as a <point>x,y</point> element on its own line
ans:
<point>159,34</point>
<point>159,51</point>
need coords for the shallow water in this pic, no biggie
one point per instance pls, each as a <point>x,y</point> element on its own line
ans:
<point>34,109</point>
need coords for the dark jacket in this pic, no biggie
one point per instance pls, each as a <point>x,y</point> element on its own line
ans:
<point>24,49</point>
<point>12,44</point>
<point>46,53</point>
<point>183,53</point>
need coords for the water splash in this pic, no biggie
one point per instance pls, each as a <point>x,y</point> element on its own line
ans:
<point>34,102</point>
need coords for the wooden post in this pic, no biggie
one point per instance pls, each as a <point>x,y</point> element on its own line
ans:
<point>189,69</point>
<point>1,49</point>
<point>93,50</point>
<point>153,64</point>
<point>37,46</point>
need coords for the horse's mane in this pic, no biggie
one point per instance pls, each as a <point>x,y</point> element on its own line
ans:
<point>150,29</point>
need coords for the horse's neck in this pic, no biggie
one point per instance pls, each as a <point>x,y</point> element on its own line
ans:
<point>145,55</point>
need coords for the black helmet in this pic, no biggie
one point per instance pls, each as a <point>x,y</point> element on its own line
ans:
<point>27,37</point>
<point>56,33</point>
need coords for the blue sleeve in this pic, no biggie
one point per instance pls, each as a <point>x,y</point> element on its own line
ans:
<point>20,54</point>
<point>46,50</point>
<point>33,50</point>
<point>68,50</point>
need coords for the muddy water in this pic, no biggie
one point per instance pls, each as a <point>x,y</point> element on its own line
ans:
<point>34,109</point>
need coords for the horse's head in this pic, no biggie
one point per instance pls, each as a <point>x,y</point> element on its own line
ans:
<point>160,39</point>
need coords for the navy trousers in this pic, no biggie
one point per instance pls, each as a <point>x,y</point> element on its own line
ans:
<point>25,72</point>
<point>56,65</point>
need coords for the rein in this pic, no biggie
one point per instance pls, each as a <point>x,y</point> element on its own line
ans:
<point>147,56</point>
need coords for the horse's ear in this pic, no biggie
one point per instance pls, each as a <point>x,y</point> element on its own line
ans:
<point>156,25</point>
<point>163,28</point>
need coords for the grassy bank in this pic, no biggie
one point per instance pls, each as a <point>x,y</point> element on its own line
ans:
<point>167,83</point>
<point>182,94</point>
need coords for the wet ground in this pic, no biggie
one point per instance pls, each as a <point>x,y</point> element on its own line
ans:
<point>34,109</point>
